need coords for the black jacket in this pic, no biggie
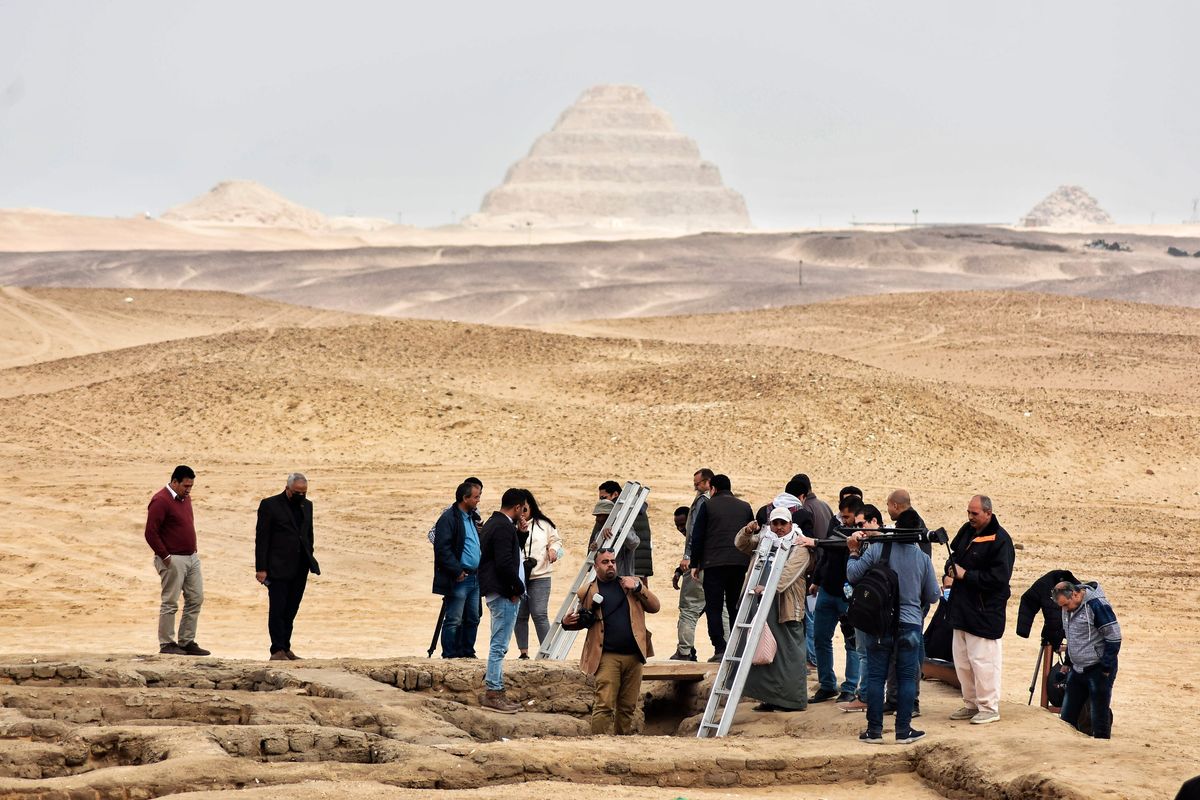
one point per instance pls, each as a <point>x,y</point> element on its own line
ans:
<point>500,558</point>
<point>281,548</point>
<point>979,601</point>
<point>717,523</point>
<point>1037,598</point>
<point>909,518</point>
<point>448,537</point>
<point>643,556</point>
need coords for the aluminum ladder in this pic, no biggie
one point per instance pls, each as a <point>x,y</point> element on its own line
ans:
<point>769,560</point>
<point>558,642</point>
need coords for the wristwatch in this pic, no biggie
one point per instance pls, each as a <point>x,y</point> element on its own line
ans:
<point>638,589</point>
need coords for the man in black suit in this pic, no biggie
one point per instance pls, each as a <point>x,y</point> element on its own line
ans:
<point>502,584</point>
<point>283,557</point>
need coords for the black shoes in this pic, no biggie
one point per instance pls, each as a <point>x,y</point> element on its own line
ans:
<point>171,649</point>
<point>822,695</point>
<point>871,738</point>
<point>846,697</point>
<point>717,657</point>
<point>679,655</point>
<point>193,649</point>
<point>914,735</point>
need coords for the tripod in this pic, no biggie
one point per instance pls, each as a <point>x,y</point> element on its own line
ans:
<point>1042,669</point>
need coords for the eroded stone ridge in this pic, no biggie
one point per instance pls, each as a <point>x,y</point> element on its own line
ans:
<point>613,159</point>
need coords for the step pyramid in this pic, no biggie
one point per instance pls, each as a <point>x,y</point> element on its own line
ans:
<point>613,160</point>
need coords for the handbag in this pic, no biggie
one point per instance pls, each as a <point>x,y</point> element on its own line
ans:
<point>767,648</point>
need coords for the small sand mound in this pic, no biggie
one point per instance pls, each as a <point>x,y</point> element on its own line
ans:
<point>246,203</point>
<point>1066,206</point>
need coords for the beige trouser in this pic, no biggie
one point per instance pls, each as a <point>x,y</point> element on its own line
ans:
<point>618,684</point>
<point>180,574</point>
<point>977,662</point>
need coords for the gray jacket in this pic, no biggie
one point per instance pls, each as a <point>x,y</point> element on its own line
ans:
<point>914,570</point>
<point>1093,633</point>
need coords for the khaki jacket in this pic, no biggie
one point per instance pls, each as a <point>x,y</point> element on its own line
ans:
<point>791,590</point>
<point>639,606</point>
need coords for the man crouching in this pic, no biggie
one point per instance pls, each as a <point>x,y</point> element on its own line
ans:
<point>614,612</point>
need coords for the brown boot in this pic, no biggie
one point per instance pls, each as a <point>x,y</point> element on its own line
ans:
<point>280,655</point>
<point>496,701</point>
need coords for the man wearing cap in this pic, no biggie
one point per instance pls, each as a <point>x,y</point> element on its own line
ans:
<point>603,536</point>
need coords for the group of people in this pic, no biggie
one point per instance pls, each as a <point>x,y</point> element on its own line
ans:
<point>508,562</point>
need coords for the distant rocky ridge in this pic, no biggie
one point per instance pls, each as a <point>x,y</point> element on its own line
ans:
<point>1066,206</point>
<point>250,204</point>
<point>613,159</point>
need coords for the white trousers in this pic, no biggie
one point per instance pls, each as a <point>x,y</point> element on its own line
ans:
<point>977,662</point>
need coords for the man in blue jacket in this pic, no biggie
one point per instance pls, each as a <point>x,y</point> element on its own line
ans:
<point>1093,641</point>
<point>456,571</point>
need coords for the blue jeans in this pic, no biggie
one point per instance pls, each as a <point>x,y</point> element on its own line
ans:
<point>825,619</point>
<point>907,644</point>
<point>462,619</point>
<point>809,614</point>
<point>504,619</point>
<point>1093,688</point>
<point>860,645</point>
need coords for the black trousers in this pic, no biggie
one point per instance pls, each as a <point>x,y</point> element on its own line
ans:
<point>721,585</point>
<point>285,595</point>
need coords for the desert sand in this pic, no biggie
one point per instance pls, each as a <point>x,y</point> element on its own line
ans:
<point>1079,416</point>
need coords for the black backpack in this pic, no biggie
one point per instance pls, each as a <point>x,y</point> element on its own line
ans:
<point>875,606</point>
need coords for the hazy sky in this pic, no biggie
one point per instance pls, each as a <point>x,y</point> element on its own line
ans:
<point>813,111</point>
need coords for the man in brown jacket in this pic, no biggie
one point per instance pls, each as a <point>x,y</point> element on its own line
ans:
<point>617,644</point>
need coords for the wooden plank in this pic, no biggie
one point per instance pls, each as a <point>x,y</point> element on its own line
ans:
<point>677,671</point>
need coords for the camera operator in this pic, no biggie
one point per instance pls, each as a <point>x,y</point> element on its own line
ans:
<point>1093,641</point>
<point>617,643</point>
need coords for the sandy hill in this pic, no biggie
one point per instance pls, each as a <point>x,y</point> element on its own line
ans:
<point>538,284</point>
<point>246,203</point>
<point>1053,405</point>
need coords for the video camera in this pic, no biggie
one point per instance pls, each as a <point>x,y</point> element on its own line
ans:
<point>885,535</point>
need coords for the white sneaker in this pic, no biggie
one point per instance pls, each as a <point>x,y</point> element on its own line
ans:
<point>984,717</point>
<point>966,712</point>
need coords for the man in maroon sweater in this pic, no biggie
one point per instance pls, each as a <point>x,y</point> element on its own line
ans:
<point>171,534</point>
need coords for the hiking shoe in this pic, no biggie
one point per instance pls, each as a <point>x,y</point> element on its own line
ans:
<point>171,649</point>
<point>717,657</point>
<point>279,655</point>
<point>914,735</point>
<point>496,701</point>
<point>679,655</point>
<point>292,656</point>
<point>853,705</point>
<point>821,695</point>
<point>966,712</point>
<point>846,697</point>
<point>984,717</point>
<point>871,738</point>
<point>193,649</point>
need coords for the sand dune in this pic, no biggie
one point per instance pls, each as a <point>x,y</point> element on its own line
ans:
<point>538,284</point>
<point>1080,417</point>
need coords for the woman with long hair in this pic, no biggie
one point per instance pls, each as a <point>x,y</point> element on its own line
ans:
<point>541,548</point>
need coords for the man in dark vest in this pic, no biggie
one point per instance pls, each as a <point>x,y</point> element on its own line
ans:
<point>713,551</point>
<point>283,557</point>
